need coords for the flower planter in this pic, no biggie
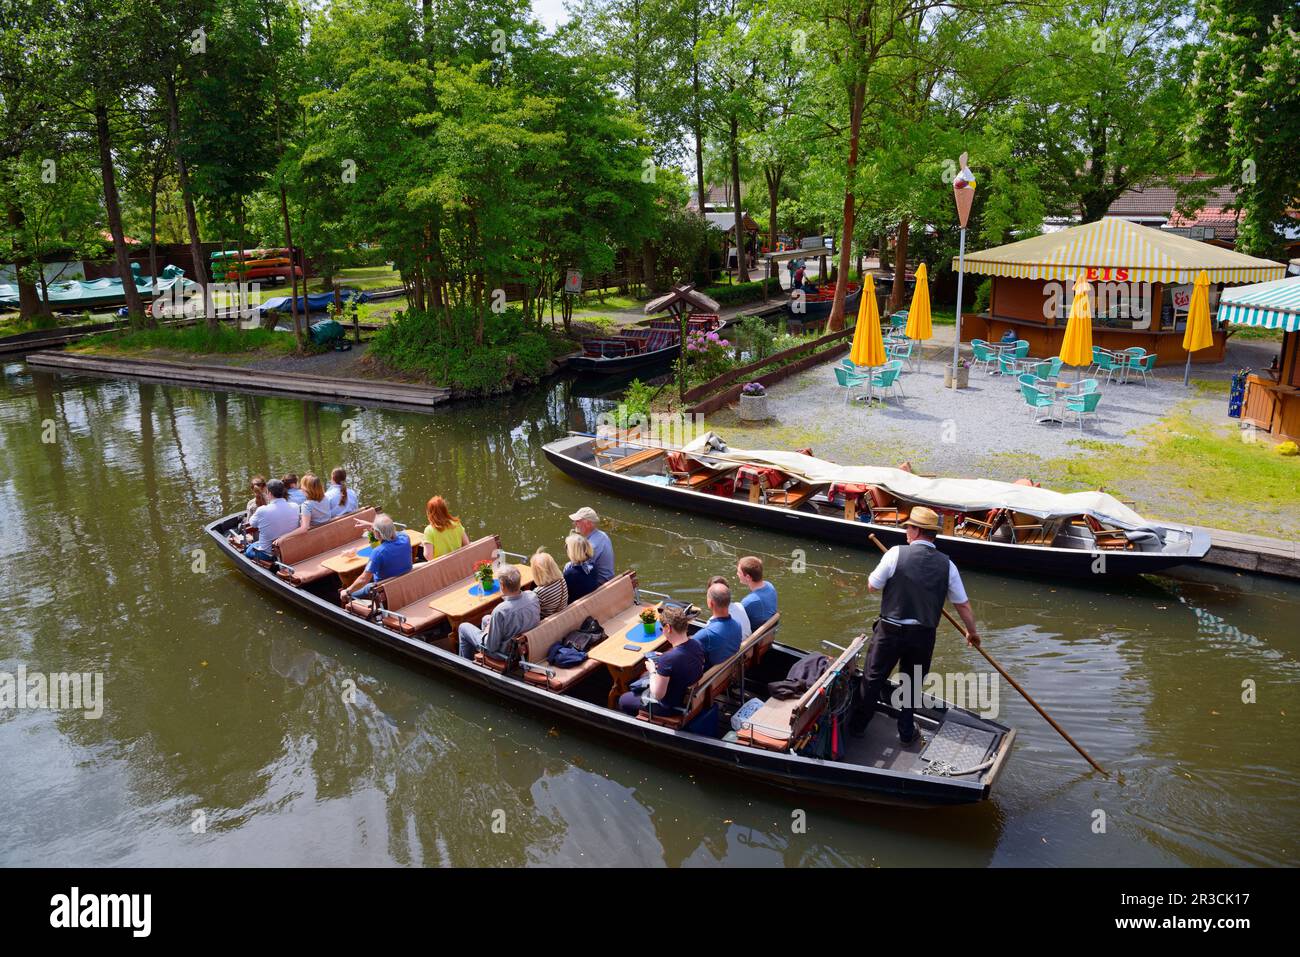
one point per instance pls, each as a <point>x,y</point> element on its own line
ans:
<point>963,377</point>
<point>649,627</point>
<point>753,408</point>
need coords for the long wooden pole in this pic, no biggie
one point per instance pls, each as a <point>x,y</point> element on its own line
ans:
<point>1015,684</point>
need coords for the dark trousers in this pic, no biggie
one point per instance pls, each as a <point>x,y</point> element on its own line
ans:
<point>907,646</point>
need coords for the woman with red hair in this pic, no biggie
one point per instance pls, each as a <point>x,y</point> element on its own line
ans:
<point>444,533</point>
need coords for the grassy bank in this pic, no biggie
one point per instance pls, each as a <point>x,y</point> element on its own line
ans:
<point>193,340</point>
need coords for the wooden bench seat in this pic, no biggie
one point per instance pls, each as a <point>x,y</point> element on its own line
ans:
<point>409,595</point>
<point>636,458</point>
<point>780,725</point>
<point>305,551</point>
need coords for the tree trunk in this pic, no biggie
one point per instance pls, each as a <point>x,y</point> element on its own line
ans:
<point>648,266</point>
<point>742,267</point>
<point>153,240</point>
<point>191,220</point>
<point>836,320</point>
<point>32,308</point>
<point>298,331</point>
<point>134,307</point>
<point>773,175</point>
<point>900,268</point>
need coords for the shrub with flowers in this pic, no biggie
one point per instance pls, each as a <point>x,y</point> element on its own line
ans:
<point>710,353</point>
<point>753,388</point>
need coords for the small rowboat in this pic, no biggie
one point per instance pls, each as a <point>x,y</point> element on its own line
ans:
<point>1023,531</point>
<point>958,760</point>
<point>815,306</point>
<point>638,348</point>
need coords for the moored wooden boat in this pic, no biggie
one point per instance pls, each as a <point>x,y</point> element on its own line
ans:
<point>1070,547</point>
<point>657,344</point>
<point>761,752</point>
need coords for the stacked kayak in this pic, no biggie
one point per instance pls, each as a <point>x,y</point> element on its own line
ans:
<point>316,302</point>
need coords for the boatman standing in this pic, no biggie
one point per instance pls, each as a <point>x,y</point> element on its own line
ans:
<point>915,579</point>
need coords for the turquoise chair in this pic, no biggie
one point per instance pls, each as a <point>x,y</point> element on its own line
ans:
<point>1037,399</point>
<point>1031,380</point>
<point>1104,362</point>
<point>903,351</point>
<point>1022,348</point>
<point>985,355</point>
<point>849,381</point>
<point>1143,364</point>
<point>1006,365</point>
<point>887,378</point>
<point>1087,385</point>
<point>1083,405</point>
<point>1049,368</point>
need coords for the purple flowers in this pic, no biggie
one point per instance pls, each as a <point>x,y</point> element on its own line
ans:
<point>753,388</point>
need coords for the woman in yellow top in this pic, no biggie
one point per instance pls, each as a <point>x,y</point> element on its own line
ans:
<point>444,533</point>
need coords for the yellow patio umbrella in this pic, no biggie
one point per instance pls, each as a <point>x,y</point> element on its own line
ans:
<point>1198,334</point>
<point>868,345</point>
<point>1076,347</point>
<point>918,314</point>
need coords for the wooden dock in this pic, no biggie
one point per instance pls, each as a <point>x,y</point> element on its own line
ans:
<point>1253,553</point>
<point>364,392</point>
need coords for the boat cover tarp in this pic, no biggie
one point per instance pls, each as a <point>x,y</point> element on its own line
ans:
<point>73,294</point>
<point>963,495</point>
<point>318,302</point>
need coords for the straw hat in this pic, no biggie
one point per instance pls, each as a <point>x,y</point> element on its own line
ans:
<point>923,518</point>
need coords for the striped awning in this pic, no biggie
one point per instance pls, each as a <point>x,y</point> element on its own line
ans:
<point>1119,251</point>
<point>1272,305</point>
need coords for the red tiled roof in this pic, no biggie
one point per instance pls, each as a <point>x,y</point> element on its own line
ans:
<point>1158,201</point>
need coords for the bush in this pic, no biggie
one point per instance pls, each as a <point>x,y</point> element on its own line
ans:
<point>758,338</point>
<point>982,294</point>
<point>737,294</point>
<point>711,354</point>
<point>444,353</point>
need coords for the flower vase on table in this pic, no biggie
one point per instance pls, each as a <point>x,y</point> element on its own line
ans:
<point>486,578</point>
<point>648,621</point>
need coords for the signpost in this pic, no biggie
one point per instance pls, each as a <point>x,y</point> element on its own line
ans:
<point>963,191</point>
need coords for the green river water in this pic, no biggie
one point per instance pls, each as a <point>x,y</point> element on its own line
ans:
<point>225,738</point>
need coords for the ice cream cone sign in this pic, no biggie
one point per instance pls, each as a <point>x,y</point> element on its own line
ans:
<point>963,191</point>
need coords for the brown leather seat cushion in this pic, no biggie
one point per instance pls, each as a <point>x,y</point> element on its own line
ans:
<point>605,604</point>
<point>409,594</point>
<point>770,726</point>
<point>306,550</point>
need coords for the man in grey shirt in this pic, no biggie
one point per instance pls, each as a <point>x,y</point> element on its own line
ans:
<point>517,613</point>
<point>585,521</point>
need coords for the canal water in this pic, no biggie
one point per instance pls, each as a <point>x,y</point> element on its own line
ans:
<point>225,737</point>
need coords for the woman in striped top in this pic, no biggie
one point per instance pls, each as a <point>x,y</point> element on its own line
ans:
<point>551,590</point>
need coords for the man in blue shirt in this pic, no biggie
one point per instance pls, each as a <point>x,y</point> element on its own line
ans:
<point>390,558</point>
<point>585,521</point>
<point>720,638</point>
<point>760,603</point>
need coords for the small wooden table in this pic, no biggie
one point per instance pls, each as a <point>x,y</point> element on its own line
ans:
<point>349,564</point>
<point>459,605</point>
<point>623,663</point>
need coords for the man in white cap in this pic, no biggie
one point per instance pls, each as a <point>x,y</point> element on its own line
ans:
<point>914,580</point>
<point>585,521</point>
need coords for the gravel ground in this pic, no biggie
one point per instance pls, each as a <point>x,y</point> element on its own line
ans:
<point>981,430</point>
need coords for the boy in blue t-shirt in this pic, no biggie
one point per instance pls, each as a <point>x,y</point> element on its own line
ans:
<point>760,603</point>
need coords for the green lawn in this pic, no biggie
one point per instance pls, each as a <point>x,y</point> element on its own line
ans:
<point>197,340</point>
<point>363,277</point>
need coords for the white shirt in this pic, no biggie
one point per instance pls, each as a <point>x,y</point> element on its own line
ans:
<point>273,520</point>
<point>737,611</point>
<point>332,495</point>
<point>889,562</point>
<point>318,513</point>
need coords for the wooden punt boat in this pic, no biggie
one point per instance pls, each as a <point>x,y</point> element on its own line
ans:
<point>874,768</point>
<point>1069,548</point>
<point>817,304</point>
<point>638,348</point>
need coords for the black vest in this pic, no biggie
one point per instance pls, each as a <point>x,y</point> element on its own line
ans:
<point>919,586</point>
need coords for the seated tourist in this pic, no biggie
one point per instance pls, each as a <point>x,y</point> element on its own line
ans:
<point>295,495</point>
<point>313,510</point>
<point>720,638</point>
<point>517,613</point>
<point>277,517</point>
<point>585,521</point>
<point>444,533</point>
<point>257,485</point>
<point>343,501</point>
<point>579,574</point>
<point>672,672</point>
<point>390,558</point>
<point>736,609</point>
<point>760,603</point>
<point>549,585</point>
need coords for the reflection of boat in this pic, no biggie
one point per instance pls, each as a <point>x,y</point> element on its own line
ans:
<point>638,348</point>
<point>593,385</point>
<point>1010,527</point>
<point>100,293</point>
<point>762,751</point>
